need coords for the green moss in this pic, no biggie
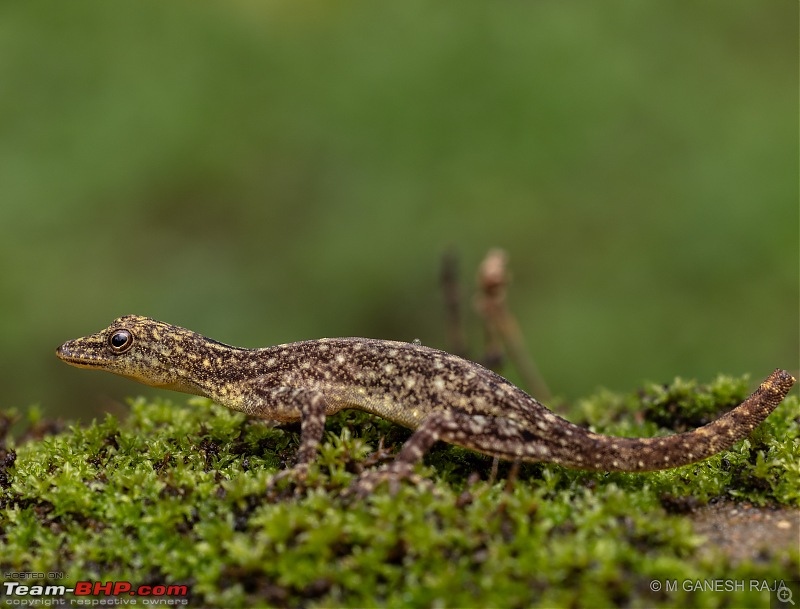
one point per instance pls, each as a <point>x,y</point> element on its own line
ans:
<point>176,493</point>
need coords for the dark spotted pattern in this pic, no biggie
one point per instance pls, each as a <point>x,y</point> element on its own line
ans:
<point>441,396</point>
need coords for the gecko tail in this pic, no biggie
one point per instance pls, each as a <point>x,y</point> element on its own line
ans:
<point>618,454</point>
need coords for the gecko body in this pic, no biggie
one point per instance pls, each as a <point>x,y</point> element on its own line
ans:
<point>439,395</point>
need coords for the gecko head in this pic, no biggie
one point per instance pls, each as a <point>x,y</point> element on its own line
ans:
<point>136,347</point>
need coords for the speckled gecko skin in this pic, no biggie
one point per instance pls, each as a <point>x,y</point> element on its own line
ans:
<point>441,396</point>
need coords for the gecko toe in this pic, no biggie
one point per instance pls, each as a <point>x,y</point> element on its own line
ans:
<point>393,474</point>
<point>296,476</point>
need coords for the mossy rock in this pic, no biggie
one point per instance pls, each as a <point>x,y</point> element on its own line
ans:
<point>176,494</point>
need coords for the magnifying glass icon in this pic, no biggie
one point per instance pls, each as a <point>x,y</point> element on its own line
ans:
<point>784,594</point>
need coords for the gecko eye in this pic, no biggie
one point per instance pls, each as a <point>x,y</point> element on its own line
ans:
<point>120,341</point>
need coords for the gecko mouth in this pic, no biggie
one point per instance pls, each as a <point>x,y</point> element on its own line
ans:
<point>81,360</point>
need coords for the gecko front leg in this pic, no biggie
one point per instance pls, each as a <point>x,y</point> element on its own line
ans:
<point>286,404</point>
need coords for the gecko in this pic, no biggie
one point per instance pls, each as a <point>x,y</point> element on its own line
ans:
<point>437,395</point>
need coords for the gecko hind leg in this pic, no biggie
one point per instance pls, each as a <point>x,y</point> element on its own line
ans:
<point>455,428</point>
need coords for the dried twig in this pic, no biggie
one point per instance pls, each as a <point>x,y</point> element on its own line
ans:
<point>451,290</point>
<point>493,280</point>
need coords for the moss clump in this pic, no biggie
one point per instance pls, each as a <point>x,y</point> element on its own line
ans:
<point>175,494</point>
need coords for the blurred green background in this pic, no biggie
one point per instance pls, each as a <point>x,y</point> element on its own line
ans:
<point>266,172</point>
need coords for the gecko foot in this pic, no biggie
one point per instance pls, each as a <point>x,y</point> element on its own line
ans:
<point>296,475</point>
<point>393,473</point>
